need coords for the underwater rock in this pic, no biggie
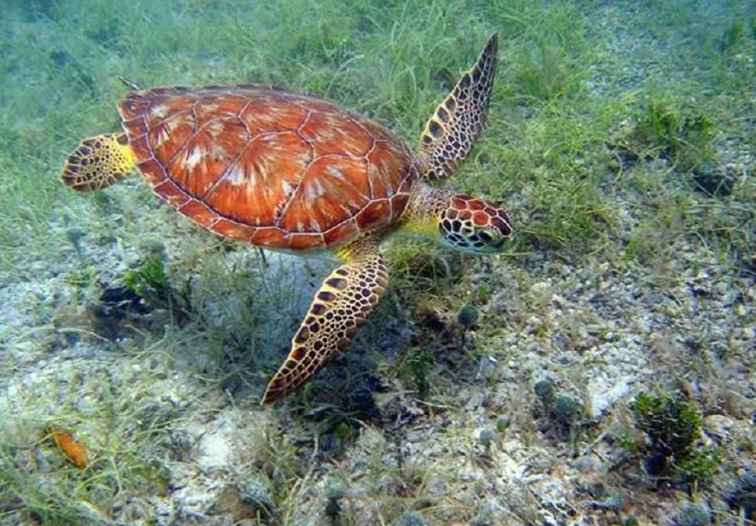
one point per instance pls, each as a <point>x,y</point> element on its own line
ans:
<point>411,518</point>
<point>604,392</point>
<point>116,306</point>
<point>743,494</point>
<point>566,410</point>
<point>587,464</point>
<point>256,492</point>
<point>215,445</point>
<point>544,390</point>
<point>468,316</point>
<point>692,515</point>
<point>487,366</point>
<point>719,427</point>
<point>715,180</point>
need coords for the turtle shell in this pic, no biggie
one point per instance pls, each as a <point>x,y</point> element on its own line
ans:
<point>267,166</point>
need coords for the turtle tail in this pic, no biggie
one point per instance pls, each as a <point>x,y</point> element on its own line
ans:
<point>98,162</point>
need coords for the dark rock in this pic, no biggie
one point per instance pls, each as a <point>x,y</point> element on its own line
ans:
<point>714,180</point>
<point>743,495</point>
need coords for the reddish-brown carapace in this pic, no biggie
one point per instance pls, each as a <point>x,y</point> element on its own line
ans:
<point>287,171</point>
<point>276,169</point>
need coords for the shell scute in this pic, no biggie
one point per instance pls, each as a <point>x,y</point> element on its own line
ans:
<point>270,237</point>
<point>386,166</point>
<point>345,230</point>
<point>476,204</point>
<point>137,126</point>
<point>209,110</point>
<point>233,230</point>
<point>153,171</point>
<point>379,133</point>
<point>141,148</point>
<point>135,105</point>
<point>263,115</point>
<point>332,189</point>
<point>204,158</point>
<point>480,218</point>
<point>330,133</point>
<point>375,214</point>
<point>398,203</point>
<point>199,212</point>
<point>170,135</point>
<point>299,241</point>
<point>254,187</point>
<point>171,193</point>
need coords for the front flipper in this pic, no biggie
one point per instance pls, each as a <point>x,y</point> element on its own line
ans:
<point>449,134</point>
<point>98,162</point>
<point>343,302</point>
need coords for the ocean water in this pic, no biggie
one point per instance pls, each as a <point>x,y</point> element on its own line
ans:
<point>596,368</point>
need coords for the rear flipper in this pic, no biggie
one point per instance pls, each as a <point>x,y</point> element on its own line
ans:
<point>98,162</point>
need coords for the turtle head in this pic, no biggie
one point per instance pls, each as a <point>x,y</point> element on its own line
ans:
<point>473,225</point>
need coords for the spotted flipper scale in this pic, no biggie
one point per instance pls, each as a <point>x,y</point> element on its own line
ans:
<point>343,302</point>
<point>451,131</point>
<point>98,162</point>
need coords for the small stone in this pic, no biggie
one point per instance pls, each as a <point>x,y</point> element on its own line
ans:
<point>692,515</point>
<point>714,180</point>
<point>614,502</point>
<point>215,449</point>
<point>486,437</point>
<point>586,464</point>
<point>489,514</point>
<point>566,410</point>
<point>468,316</point>
<point>544,390</point>
<point>153,246</point>
<point>743,495</point>
<point>335,491</point>
<point>411,518</point>
<point>719,427</point>
<point>75,235</point>
<point>91,512</point>
<point>502,424</point>
<point>560,341</point>
<point>603,395</point>
<point>737,405</point>
<point>535,348</point>
<point>255,492</point>
<point>486,368</point>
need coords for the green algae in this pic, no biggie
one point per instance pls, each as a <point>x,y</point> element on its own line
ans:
<point>566,83</point>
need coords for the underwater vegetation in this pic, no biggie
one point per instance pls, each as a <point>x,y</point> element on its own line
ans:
<point>680,133</point>
<point>672,426</point>
<point>520,388</point>
<point>149,280</point>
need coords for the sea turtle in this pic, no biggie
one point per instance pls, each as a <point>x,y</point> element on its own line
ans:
<point>292,172</point>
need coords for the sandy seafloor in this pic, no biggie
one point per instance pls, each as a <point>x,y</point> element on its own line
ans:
<point>424,421</point>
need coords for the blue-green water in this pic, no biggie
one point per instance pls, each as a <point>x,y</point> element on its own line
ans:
<point>597,371</point>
